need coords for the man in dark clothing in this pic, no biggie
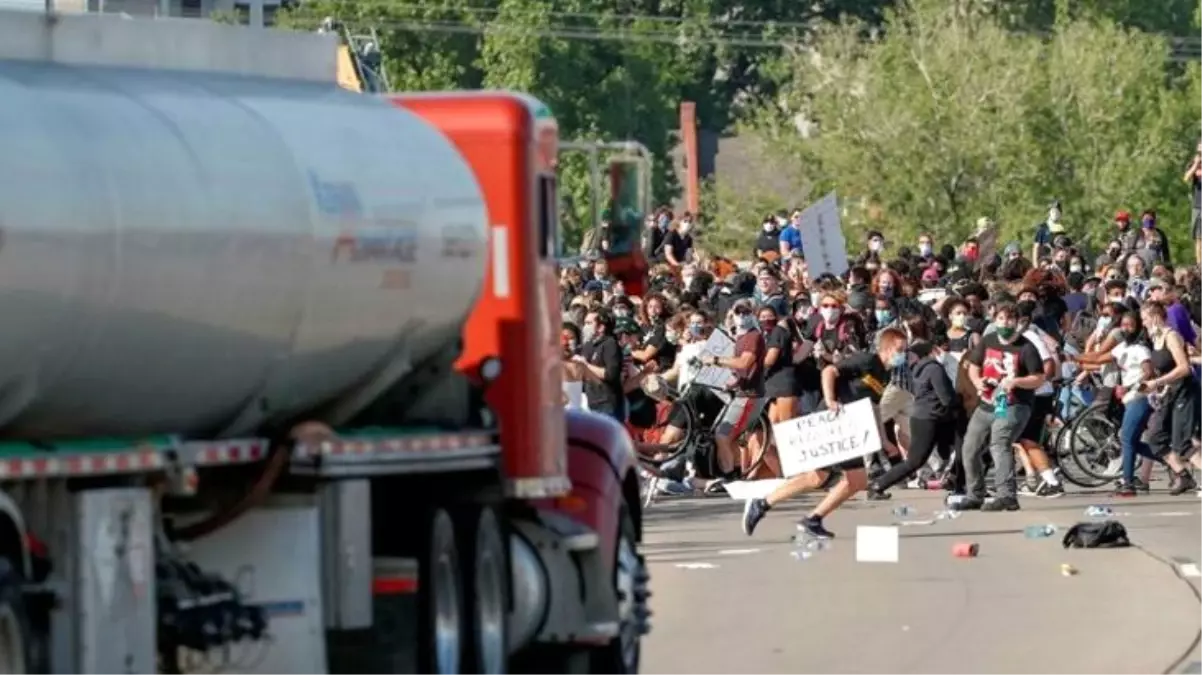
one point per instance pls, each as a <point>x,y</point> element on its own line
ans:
<point>1006,369</point>
<point>1076,300</point>
<point>739,286</point>
<point>678,242</point>
<point>767,246</point>
<point>601,358</point>
<point>859,376</point>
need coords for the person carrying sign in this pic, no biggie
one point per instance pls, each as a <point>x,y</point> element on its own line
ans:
<point>747,363</point>
<point>858,376</point>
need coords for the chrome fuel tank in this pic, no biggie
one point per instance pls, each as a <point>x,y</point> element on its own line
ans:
<point>202,253</point>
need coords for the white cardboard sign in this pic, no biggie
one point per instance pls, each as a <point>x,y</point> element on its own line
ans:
<point>822,237</point>
<point>824,438</point>
<point>718,344</point>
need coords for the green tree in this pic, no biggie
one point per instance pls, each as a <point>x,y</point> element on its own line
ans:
<point>950,116</point>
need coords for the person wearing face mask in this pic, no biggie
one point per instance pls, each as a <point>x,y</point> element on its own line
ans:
<point>1003,364</point>
<point>857,377</point>
<point>1153,244</point>
<point>926,250</point>
<point>836,333</point>
<point>1041,480</point>
<point>747,402</point>
<point>780,379</point>
<point>678,242</point>
<point>931,417</point>
<point>601,360</point>
<point>767,245</point>
<point>1046,231</point>
<point>875,242</point>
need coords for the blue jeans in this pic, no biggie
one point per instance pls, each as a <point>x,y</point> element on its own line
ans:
<point>1135,421</point>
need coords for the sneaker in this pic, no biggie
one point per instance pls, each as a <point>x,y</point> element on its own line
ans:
<point>754,511</point>
<point>1185,483</point>
<point>1049,491</point>
<point>968,504</point>
<point>1140,485</point>
<point>716,487</point>
<point>672,488</point>
<point>812,526</point>
<point>1029,489</point>
<point>1001,504</point>
<point>1124,489</point>
<point>875,494</point>
<point>1114,468</point>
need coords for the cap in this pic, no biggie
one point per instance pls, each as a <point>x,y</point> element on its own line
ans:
<point>1122,217</point>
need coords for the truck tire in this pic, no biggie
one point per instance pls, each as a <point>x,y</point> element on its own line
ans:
<point>621,655</point>
<point>16,642</point>
<point>486,580</point>
<point>440,599</point>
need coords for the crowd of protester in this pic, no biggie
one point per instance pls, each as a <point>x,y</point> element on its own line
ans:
<point>968,354</point>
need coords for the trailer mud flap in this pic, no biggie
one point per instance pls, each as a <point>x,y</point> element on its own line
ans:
<point>576,584</point>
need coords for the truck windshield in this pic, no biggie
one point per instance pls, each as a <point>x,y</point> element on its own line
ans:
<point>548,217</point>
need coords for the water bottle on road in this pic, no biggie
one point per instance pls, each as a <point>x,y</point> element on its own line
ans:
<point>1039,531</point>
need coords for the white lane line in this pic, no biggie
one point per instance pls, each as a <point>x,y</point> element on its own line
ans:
<point>738,551</point>
<point>696,566</point>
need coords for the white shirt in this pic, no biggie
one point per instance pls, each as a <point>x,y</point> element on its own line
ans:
<point>1039,338</point>
<point>1130,359</point>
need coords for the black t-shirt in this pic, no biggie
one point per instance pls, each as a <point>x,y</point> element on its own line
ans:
<point>998,361</point>
<point>778,378</point>
<point>604,396</point>
<point>861,375</point>
<point>680,244</point>
<point>768,242</point>
<point>1075,302</point>
<point>656,337</point>
<point>653,241</point>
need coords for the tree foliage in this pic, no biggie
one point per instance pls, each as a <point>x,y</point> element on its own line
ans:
<point>950,115</point>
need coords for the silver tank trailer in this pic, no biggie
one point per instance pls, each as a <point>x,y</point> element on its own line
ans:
<point>201,253</point>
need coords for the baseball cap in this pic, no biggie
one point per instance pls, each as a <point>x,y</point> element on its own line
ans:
<point>1122,217</point>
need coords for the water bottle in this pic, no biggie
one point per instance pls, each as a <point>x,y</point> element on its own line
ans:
<point>948,514</point>
<point>1039,531</point>
<point>954,502</point>
<point>807,547</point>
<point>1001,403</point>
<point>902,511</point>
<point>1099,511</point>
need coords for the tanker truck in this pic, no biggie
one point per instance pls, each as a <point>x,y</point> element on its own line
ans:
<point>279,379</point>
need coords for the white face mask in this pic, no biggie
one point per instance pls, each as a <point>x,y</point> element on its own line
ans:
<point>874,245</point>
<point>768,227</point>
<point>1074,268</point>
<point>745,322</point>
<point>1054,215</point>
<point>924,249</point>
<point>829,314</point>
<point>685,226</point>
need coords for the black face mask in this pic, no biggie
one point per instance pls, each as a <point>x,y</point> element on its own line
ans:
<point>1129,336</point>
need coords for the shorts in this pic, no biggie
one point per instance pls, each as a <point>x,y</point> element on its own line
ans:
<point>1041,407</point>
<point>739,414</point>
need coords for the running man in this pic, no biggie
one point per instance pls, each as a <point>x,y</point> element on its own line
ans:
<point>857,376</point>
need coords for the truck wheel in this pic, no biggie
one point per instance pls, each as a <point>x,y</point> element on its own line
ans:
<point>487,584</point>
<point>15,636</point>
<point>621,655</point>
<point>440,599</point>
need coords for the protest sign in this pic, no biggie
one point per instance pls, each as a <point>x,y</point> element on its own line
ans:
<point>718,344</point>
<point>824,438</point>
<point>573,395</point>
<point>822,238</point>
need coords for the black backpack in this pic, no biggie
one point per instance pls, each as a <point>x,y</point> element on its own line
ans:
<point>1108,534</point>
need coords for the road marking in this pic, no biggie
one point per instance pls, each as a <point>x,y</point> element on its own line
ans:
<point>696,566</point>
<point>738,551</point>
<point>1189,570</point>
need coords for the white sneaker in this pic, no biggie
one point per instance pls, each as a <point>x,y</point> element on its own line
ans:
<point>1114,468</point>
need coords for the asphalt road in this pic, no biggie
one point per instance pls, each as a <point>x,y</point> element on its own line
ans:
<point>727,603</point>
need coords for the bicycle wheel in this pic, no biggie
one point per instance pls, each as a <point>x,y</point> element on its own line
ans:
<point>1059,449</point>
<point>1094,445</point>
<point>757,438</point>
<point>674,452</point>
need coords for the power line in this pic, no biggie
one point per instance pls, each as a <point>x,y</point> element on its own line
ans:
<point>1186,50</point>
<point>594,35</point>
<point>485,13</point>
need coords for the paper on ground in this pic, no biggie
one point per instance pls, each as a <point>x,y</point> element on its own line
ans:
<point>876,544</point>
<point>753,489</point>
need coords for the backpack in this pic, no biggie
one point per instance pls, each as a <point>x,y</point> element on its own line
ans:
<point>844,329</point>
<point>1108,534</point>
